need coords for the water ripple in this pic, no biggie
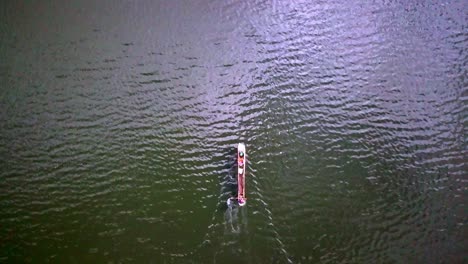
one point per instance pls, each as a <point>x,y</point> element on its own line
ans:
<point>117,133</point>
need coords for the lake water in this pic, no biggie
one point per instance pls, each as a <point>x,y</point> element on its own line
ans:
<point>119,122</point>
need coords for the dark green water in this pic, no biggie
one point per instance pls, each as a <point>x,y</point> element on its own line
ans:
<point>119,121</point>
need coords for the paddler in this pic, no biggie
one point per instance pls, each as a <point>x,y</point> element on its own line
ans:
<point>241,163</point>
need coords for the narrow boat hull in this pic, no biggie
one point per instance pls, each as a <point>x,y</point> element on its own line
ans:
<point>241,167</point>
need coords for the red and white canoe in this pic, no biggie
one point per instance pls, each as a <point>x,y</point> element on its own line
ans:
<point>241,167</point>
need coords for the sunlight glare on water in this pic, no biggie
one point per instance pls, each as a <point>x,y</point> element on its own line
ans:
<point>119,122</point>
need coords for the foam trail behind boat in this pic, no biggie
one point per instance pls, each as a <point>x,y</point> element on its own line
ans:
<point>231,218</point>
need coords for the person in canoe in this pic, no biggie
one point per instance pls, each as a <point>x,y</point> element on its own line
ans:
<point>241,159</point>
<point>240,164</point>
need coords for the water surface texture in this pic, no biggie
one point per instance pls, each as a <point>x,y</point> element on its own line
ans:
<point>119,121</point>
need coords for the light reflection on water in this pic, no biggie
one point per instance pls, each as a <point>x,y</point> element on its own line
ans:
<point>119,124</point>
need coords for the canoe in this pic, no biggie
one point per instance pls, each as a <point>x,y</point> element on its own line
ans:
<point>241,167</point>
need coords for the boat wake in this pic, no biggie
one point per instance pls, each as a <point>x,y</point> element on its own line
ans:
<point>231,218</point>
<point>235,217</point>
